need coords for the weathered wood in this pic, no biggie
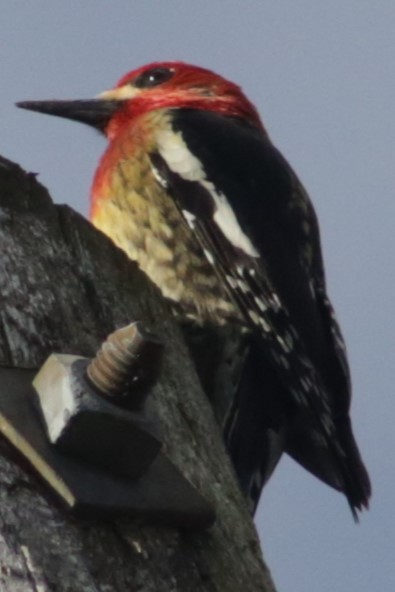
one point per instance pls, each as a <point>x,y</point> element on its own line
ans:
<point>64,287</point>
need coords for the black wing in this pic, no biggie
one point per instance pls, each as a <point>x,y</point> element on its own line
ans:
<point>279,289</point>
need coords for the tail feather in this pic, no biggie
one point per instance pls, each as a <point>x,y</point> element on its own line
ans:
<point>260,421</point>
<point>344,472</point>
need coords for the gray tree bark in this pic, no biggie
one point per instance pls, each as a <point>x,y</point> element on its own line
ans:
<point>63,287</point>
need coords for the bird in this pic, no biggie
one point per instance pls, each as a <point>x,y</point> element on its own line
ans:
<point>192,188</point>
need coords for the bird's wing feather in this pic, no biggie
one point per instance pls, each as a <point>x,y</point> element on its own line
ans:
<point>258,229</point>
<point>238,195</point>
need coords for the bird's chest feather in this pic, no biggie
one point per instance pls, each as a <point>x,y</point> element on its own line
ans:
<point>132,206</point>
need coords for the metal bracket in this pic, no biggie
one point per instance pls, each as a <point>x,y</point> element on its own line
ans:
<point>161,494</point>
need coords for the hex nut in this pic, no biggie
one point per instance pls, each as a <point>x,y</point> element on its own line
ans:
<point>81,423</point>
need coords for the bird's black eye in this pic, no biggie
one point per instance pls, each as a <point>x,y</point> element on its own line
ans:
<point>153,77</point>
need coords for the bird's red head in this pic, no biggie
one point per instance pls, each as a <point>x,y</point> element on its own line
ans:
<point>175,85</point>
<point>154,86</point>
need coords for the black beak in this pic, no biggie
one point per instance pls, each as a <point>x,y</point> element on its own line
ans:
<point>94,112</point>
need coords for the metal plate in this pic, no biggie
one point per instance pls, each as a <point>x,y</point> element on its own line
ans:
<point>162,495</point>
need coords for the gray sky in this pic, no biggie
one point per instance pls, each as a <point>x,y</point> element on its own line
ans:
<point>322,76</point>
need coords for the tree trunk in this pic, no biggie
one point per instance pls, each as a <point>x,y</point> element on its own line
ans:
<point>63,287</point>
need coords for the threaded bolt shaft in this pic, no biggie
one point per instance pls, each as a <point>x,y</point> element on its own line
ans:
<point>127,365</point>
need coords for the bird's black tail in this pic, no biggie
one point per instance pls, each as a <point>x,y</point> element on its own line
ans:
<point>263,422</point>
<point>343,471</point>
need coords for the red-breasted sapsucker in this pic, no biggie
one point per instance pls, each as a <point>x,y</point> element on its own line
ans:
<point>192,188</point>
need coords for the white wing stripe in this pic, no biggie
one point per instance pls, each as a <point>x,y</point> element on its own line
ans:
<point>181,161</point>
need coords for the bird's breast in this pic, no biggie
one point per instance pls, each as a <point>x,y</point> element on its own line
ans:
<point>132,207</point>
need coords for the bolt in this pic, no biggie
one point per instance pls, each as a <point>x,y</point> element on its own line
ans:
<point>127,365</point>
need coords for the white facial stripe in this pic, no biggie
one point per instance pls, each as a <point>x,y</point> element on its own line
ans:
<point>177,156</point>
<point>180,160</point>
<point>121,93</point>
